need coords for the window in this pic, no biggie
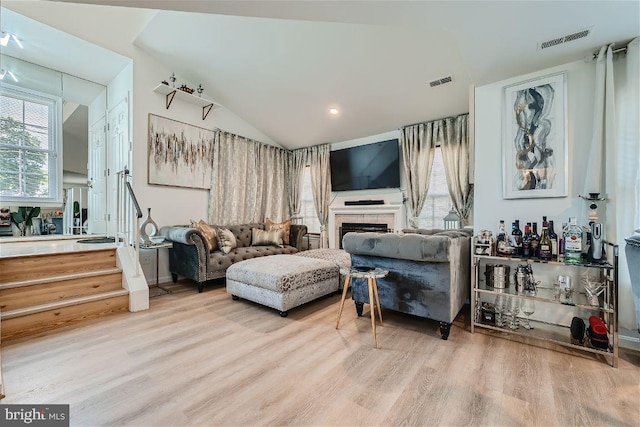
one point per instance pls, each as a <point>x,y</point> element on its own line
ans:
<point>30,167</point>
<point>438,202</point>
<point>308,210</point>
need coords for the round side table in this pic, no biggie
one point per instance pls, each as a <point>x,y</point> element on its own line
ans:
<point>372,277</point>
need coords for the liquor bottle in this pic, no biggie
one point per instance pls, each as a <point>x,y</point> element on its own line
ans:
<point>516,237</point>
<point>502,232</point>
<point>561,242</point>
<point>544,250</point>
<point>526,241</point>
<point>573,243</point>
<point>501,240</point>
<point>535,241</point>
<point>554,241</point>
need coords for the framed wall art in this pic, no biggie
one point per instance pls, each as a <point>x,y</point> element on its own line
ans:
<point>179,154</point>
<point>534,143</point>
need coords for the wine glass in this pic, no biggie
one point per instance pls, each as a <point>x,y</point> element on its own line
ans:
<point>499,307</point>
<point>513,310</point>
<point>528,308</point>
<point>593,288</point>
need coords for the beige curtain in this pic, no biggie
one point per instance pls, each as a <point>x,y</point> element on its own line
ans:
<point>297,162</point>
<point>318,159</point>
<point>454,144</point>
<point>418,146</point>
<point>233,192</point>
<point>624,193</point>
<point>248,181</point>
<point>272,183</point>
<point>604,119</point>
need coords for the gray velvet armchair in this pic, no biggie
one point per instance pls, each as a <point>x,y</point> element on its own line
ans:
<point>429,271</point>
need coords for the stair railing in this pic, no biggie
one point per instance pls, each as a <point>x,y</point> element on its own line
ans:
<point>72,224</point>
<point>126,232</point>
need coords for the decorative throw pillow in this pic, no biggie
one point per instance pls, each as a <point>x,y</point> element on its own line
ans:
<point>263,237</point>
<point>209,234</point>
<point>226,240</point>
<point>284,226</point>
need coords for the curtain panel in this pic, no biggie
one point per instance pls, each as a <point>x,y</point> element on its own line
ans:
<point>614,163</point>
<point>628,180</point>
<point>273,188</point>
<point>603,138</point>
<point>318,159</point>
<point>417,144</point>
<point>454,145</point>
<point>248,181</point>
<point>233,180</point>
<point>297,162</point>
<point>622,178</point>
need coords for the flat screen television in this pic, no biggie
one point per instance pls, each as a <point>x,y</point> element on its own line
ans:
<point>365,167</point>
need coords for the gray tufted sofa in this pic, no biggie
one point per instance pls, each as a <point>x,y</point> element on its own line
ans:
<point>429,271</point>
<point>192,258</point>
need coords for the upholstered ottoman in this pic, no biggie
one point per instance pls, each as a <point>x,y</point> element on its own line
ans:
<point>337,256</point>
<point>282,281</point>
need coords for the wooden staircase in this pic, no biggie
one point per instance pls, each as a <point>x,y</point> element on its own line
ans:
<point>41,292</point>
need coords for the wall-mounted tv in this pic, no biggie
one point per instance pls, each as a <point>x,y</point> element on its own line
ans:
<point>366,167</point>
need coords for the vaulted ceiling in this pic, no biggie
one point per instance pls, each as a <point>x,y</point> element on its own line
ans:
<point>280,65</point>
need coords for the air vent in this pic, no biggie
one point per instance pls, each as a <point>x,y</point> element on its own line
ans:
<point>443,80</point>
<point>565,39</point>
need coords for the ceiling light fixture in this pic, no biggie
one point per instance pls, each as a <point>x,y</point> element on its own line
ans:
<point>4,40</point>
<point>4,72</point>
<point>334,111</point>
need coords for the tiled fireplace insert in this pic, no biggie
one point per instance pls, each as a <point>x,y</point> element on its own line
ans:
<point>361,227</point>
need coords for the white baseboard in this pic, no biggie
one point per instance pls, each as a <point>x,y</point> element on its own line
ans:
<point>629,339</point>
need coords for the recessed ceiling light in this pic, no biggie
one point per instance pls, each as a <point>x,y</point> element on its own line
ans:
<point>334,111</point>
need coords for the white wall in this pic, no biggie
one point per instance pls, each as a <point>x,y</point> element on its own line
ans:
<point>490,207</point>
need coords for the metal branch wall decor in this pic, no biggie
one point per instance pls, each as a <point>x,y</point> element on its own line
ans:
<point>180,155</point>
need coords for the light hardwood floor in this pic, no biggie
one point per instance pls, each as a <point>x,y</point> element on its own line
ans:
<point>203,359</point>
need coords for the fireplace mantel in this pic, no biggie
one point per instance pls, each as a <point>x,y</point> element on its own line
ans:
<point>390,214</point>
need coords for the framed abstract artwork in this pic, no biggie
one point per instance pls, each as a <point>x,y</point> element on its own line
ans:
<point>179,154</point>
<point>534,143</point>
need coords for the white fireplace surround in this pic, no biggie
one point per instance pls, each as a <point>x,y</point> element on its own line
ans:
<point>390,214</point>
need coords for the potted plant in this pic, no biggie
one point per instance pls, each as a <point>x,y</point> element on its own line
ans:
<point>23,218</point>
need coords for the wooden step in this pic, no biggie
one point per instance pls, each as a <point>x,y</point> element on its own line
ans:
<point>29,267</point>
<point>21,294</point>
<point>2,395</point>
<point>36,319</point>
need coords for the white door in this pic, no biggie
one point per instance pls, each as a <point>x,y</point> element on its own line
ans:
<point>97,177</point>
<point>117,157</point>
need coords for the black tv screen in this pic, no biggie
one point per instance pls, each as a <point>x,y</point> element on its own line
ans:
<point>366,167</point>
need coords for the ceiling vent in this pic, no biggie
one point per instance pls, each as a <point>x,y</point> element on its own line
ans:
<point>441,81</point>
<point>565,39</point>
